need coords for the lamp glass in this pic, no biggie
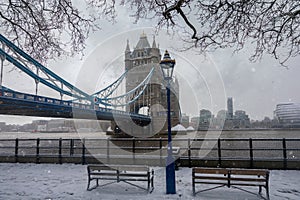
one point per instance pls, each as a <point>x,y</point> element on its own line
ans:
<point>167,70</point>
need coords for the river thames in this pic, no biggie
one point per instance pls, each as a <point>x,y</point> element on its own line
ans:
<point>267,134</point>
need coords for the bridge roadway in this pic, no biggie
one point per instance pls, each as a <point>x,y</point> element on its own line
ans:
<point>16,103</point>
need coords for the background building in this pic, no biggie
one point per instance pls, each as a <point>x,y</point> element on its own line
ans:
<point>205,119</point>
<point>230,108</point>
<point>185,120</point>
<point>195,122</point>
<point>225,119</point>
<point>241,119</point>
<point>219,120</point>
<point>288,115</point>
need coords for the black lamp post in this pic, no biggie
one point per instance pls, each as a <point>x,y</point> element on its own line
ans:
<point>167,67</point>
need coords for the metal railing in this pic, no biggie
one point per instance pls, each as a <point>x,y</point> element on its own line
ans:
<point>250,153</point>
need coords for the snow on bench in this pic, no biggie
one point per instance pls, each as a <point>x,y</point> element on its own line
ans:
<point>231,178</point>
<point>118,173</point>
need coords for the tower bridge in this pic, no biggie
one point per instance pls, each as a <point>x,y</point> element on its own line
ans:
<point>138,63</point>
<point>144,101</point>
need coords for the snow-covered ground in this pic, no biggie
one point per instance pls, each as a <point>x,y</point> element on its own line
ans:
<point>69,181</point>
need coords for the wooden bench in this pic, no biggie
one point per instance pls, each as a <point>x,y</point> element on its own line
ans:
<point>231,178</point>
<point>118,173</point>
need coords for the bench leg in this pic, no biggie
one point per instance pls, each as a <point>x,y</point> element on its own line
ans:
<point>89,182</point>
<point>88,186</point>
<point>267,192</point>
<point>267,187</point>
<point>194,192</point>
<point>150,185</point>
<point>150,182</point>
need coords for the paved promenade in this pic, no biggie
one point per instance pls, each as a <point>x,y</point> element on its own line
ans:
<point>69,181</point>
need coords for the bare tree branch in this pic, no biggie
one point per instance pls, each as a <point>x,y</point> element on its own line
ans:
<point>49,28</point>
<point>273,26</point>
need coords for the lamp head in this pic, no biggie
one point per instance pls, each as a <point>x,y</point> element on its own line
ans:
<point>167,66</point>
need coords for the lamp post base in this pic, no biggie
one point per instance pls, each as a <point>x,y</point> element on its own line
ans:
<point>170,178</point>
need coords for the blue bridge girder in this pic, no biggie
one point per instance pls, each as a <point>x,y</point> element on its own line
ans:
<point>15,103</point>
<point>38,65</point>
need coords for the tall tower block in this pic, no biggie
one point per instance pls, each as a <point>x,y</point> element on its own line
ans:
<point>230,108</point>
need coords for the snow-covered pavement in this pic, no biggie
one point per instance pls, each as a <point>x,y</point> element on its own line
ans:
<point>69,181</point>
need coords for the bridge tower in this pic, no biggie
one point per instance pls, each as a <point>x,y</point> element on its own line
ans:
<point>138,63</point>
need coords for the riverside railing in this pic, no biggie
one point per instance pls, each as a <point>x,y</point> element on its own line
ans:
<point>249,153</point>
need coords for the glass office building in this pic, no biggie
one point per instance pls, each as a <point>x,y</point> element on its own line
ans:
<point>288,114</point>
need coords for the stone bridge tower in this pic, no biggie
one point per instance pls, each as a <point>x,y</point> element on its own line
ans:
<point>139,63</point>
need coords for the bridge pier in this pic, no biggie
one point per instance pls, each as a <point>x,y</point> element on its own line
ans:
<point>132,128</point>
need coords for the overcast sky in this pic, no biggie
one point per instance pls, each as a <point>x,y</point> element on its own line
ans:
<point>205,81</point>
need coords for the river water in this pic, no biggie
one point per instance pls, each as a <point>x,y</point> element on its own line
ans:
<point>267,134</point>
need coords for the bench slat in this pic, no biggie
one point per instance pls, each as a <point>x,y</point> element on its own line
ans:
<point>133,168</point>
<point>249,172</point>
<point>210,170</point>
<point>112,173</point>
<point>248,179</point>
<point>105,178</point>
<point>119,167</point>
<point>133,175</point>
<point>210,178</point>
<point>100,167</point>
<point>132,179</point>
<point>214,183</point>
